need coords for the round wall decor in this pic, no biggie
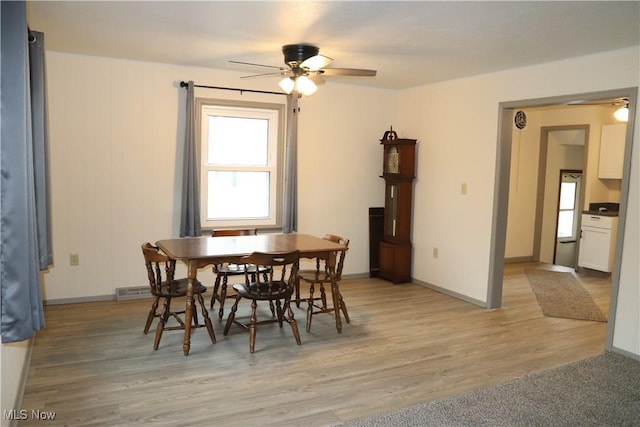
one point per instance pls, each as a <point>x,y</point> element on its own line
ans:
<point>520,119</point>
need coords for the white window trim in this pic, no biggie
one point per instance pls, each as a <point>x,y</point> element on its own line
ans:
<point>276,112</point>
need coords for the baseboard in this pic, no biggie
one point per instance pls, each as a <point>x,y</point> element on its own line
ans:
<point>77,300</point>
<point>116,297</point>
<point>356,276</point>
<point>626,353</point>
<point>518,259</point>
<point>456,295</point>
<point>594,273</point>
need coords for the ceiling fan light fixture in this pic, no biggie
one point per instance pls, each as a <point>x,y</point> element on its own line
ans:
<point>622,114</point>
<point>305,86</point>
<point>287,84</point>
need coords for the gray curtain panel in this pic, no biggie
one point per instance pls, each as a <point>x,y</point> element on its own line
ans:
<point>291,167</point>
<point>23,182</point>
<point>40,126</point>
<point>190,209</point>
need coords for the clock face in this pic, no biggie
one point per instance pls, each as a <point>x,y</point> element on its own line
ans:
<point>393,160</point>
<point>520,120</point>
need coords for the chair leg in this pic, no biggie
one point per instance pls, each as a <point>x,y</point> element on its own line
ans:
<point>207,321</point>
<point>343,307</point>
<point>163,321</point>
<point>223,297</point>
<point>232,315</point>
<point>152,314</point>
<point>312,289</point>
<point>310,307</point>
<point>194,315</point>
<point>292,321</point>
<point>273,309</point>
<point>323,296</point>
<point>253,326</point>
<point>309,315</point>
<point>297,285</point>
<point>216,285</point>
<point>280,313</point>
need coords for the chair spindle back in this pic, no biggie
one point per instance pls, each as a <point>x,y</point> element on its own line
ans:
<point>160,268</point>
<point>284,275</point>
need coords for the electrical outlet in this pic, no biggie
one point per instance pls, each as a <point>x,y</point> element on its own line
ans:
<point>435,252</point>
<point>463,188</point>
<point>74,259</point>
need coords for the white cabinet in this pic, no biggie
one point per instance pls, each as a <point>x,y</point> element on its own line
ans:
<point>597,242</point>
<point>612,141</point>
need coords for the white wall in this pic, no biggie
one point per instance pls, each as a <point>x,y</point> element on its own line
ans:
<point>456,126</point>
<point>116,138</point>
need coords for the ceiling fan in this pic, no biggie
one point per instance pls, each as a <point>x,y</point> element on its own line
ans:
<point>304,60</point>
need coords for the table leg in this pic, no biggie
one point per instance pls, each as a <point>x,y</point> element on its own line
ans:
<point>188,313</point>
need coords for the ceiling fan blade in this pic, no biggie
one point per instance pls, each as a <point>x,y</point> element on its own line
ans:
<point>347,72</point>
<point>256,65</point>
<point>316,62</point>
<point>279,73</point>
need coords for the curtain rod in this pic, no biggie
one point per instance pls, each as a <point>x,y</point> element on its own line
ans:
<point>185,84</point>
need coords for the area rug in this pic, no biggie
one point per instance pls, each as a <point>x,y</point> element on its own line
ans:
<point>560,294</point>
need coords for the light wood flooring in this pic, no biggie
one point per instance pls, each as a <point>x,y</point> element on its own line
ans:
<point>406,344</point>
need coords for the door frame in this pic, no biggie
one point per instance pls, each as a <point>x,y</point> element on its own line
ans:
<point>542,167</point>
<point>578,222</point>
<point>501,191</point>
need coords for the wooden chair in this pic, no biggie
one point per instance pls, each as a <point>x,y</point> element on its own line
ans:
<point>224,271</point>
<point>277,288</point>
<point>320,276</point>
<point>161,270</point>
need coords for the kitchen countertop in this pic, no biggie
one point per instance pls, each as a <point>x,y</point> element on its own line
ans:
<point>601,213</point>
<point>603,209</point>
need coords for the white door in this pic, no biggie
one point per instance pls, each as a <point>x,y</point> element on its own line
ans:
<point>568,215</point>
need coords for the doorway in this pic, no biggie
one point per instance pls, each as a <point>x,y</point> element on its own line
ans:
<point>568,214</point>
<point>501,191</point>
<point>562,149</point>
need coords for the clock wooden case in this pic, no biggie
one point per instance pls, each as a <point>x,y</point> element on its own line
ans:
<point>399,174</point>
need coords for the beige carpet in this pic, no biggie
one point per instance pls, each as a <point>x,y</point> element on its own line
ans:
<point>599,392</point>
<point>560,294</point>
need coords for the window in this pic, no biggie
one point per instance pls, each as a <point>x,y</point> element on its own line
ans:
<point>567,205</point>
<point>241,164</point>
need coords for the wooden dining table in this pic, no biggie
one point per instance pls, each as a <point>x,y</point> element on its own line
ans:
<point>200,252</point>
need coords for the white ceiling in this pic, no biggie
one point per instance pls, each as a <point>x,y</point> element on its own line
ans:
<point>409,43</point>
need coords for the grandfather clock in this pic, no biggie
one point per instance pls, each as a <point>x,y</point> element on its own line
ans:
<point>398,173</point>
